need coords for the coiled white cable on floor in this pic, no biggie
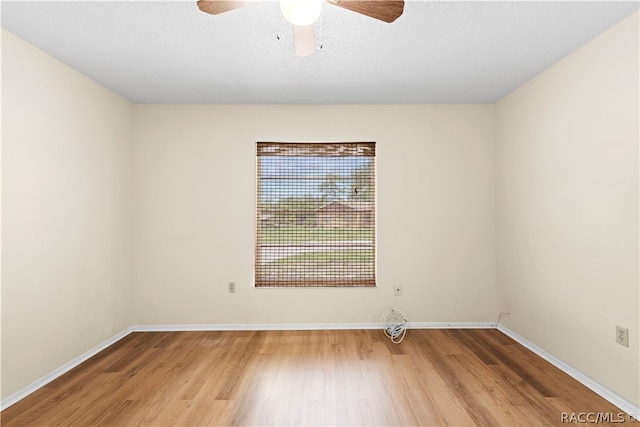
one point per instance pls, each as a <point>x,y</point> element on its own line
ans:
<point>395,325</point>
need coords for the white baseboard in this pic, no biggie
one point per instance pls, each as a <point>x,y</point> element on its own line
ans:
<point>587,381</point>
<point>306,326</point>
<point>41,382</point>
<point>255,327</point>
<point>451,325</point>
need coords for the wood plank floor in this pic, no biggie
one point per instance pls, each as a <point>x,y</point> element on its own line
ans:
<point>328,378</point>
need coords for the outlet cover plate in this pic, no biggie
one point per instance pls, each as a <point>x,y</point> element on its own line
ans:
<point>622,336</point>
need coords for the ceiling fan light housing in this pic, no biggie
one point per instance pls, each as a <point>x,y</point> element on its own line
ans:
<point>301,12</point>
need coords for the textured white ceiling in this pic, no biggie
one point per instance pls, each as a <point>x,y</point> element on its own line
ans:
<point>436,52</point>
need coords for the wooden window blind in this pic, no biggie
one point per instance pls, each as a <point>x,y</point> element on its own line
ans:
<point>315,216</point>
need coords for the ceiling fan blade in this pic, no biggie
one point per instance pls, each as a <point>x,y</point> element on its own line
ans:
<point>304,40</point>
<point>216,7</point>
<point>384,10</point>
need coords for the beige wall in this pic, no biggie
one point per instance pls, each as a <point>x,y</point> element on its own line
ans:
<point>66,214</point>
<point>194,207</point>
<point>567,208</point>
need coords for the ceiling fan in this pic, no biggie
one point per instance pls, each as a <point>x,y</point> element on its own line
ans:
<point>303,13</point>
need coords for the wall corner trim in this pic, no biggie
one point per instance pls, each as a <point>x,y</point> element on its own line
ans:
<point>41,382</point>
<point>582,378</point>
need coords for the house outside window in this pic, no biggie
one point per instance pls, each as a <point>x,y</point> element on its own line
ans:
<point>315,215</point>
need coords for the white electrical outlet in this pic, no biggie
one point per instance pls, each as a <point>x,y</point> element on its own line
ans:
<point>232,287</point>
<point>397,290</point>
<point>622,336</point>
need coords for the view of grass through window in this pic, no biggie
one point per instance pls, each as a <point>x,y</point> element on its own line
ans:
<point>315,214</point>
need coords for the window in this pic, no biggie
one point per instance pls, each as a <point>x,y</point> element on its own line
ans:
<point>315,216</point>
